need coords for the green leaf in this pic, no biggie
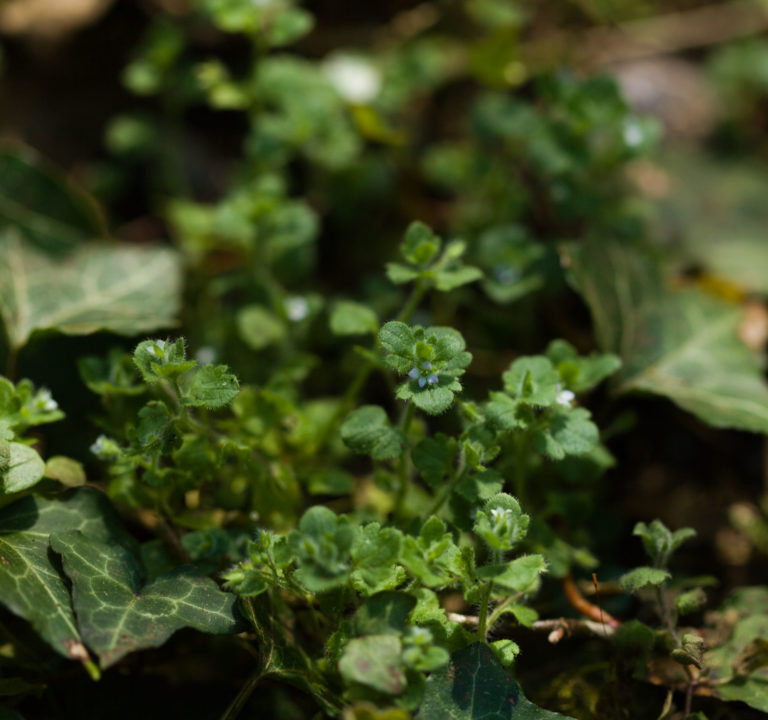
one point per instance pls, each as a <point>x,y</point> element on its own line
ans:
<point>259,327</point>
<point>374,661</point>
<point>580,373</point>
<point>30,586</point>
<point>375,555</point>
<point>47,209</point>
<point>114,374</point>
<point>532,380</point>
<point>501,523</point>
<point>520,574</point>
<point>367,430</point>
<point>434,458</point>
<point>420,244</point>
<point>447,280</point>
<point>351,318</point>
<point>682,345</point>
<point>475,686</point>
<point>322,547</point>
<point>400,274</point>
<point>691,601</point>
<point>67,471</point>
<point>434,400</point>
<point>117,616</point>
<point>739,652</point>
<point>503,412</point>
<point>384,613</point>
<point>506,651</point>
<point>162,359</point>
<point>398,342</point>
<point>568,431</point>
<point>212,386</point>
<point>660,542</point>
<point>642,576</point>
<point>433,557</point>
<point>125,289</point>
<point>24,469</point>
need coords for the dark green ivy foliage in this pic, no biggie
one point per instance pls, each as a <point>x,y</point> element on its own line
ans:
<point>379,491</point>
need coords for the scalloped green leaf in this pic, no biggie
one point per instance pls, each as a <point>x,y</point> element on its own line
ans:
<point>125,289</point>
<point>116,615</point>
<point>212,386</point>
<point>367,430</point>
<point>24,469</point>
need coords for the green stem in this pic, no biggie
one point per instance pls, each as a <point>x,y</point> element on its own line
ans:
<point>447,488</point>
<point>667,615</point>
<point>482,619</point>
<point>242,697</point>
<point>499,609</point>
<point>417,293</point>
<point>11,361</point>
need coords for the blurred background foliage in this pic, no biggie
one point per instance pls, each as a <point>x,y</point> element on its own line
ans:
<point>283,147</point>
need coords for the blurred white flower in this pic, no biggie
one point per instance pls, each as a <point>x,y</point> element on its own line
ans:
<point>296,308</point>
<point>353,77</point>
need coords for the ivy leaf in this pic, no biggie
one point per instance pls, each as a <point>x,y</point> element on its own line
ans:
<point>23,469</point>
<point>642,576</point>
<point>47,209</point>
<point>367,430</point>
<point>475,686</point>
<point>683,345</point>
<point>374,661</point>
<point>566,432</point>
<point>212,386</point>
<point>117,616</point>
<point>125,289</point>
<point>30,586</point>
<point>352,318</point>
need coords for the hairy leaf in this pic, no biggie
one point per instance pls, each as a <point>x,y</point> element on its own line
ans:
<point>642,576</point>
<point>212,387</point>
<point>24,468</point>
<point>367,430</point>
<point>352,318</point>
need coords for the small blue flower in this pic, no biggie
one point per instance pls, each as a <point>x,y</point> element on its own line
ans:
<point>423,374</point>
